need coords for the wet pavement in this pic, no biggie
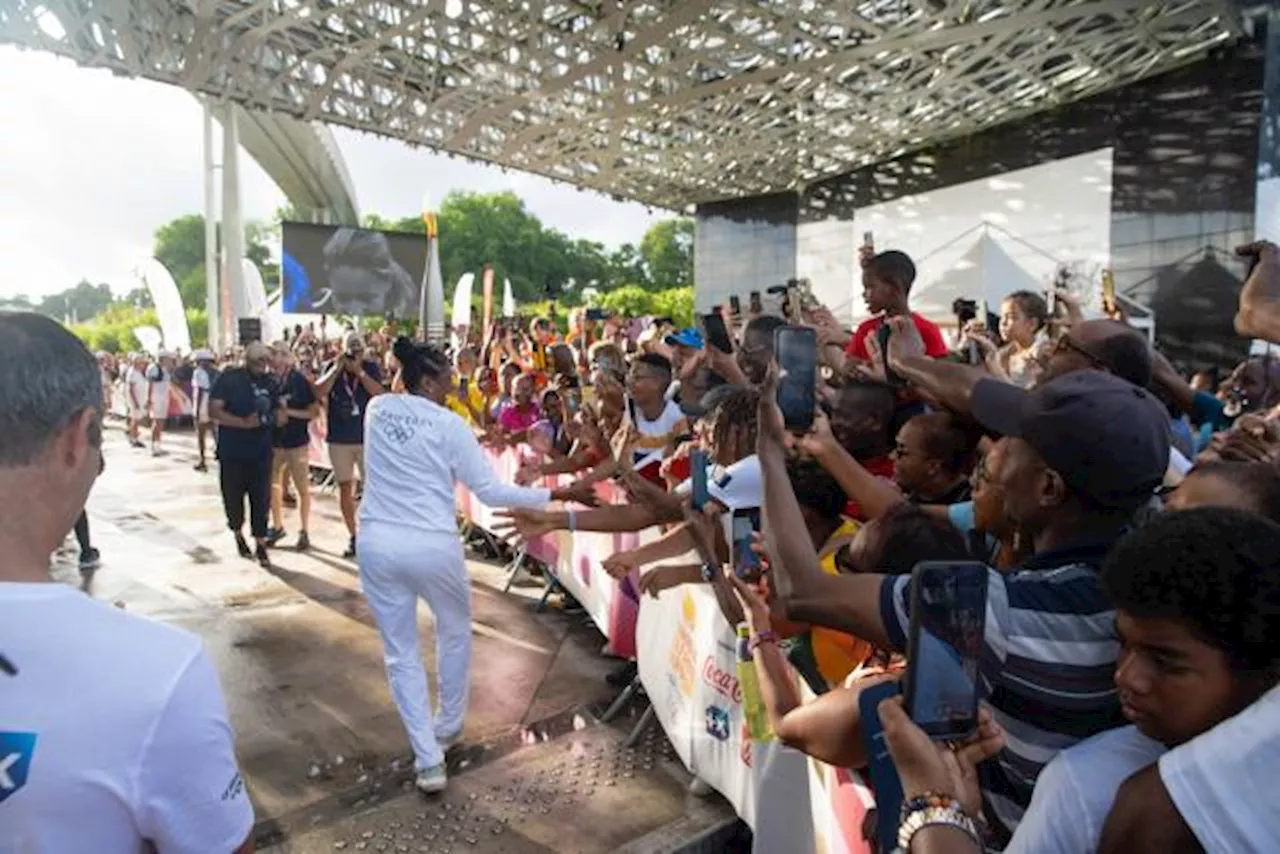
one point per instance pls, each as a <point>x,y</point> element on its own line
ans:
<point>318,737</point>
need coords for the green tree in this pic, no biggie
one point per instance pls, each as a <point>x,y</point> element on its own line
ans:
<point>667,251</point>
<point>112,330</point>
<point>179,245</point>
<point>676,303</point>
<point>81,302</point>
<point>628,301</point>
<point>626,267</point>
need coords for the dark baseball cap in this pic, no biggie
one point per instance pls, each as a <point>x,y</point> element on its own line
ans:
<point>1107,438</point>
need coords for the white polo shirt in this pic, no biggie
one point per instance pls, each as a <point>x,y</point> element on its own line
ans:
<point>1220,781</point>
<point>113,732</point>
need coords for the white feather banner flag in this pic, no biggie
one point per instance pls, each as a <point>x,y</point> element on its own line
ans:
<point>255,297</point>
<point>150,339</point>
<point>462,300</point>
<point>508,299</point>
<point>174,332</point>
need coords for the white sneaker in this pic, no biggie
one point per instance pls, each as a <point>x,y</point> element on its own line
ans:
<point>449,742</point>
<point>432,780</point>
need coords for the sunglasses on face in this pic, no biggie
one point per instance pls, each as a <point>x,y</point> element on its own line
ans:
<point>1067,344</point>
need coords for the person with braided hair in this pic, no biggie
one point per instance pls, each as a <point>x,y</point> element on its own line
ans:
<point>417,450</point>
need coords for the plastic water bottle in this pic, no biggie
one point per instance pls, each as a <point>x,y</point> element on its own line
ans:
<point>753,710</point>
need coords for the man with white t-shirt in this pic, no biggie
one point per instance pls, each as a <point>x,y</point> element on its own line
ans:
<point>201,382</point>
<point>160,378</point>
<point>136,391</point>
<point>657,419</point>
<point>113,729</point>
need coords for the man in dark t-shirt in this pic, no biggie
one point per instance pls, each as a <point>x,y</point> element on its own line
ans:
<point>245,404</point>
<point>347,384</point>
<point>291,460</point>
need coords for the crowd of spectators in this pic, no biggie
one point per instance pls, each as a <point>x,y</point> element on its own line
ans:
<point>1129,516</point>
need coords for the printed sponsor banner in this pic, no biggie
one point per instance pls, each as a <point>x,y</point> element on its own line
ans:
<point>689,669</point>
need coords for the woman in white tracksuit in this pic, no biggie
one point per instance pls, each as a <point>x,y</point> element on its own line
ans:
<point>416,451</point>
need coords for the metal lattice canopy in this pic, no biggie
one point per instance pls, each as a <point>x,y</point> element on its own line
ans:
<point>668,102</point>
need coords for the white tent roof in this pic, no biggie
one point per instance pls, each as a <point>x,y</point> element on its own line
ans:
<point>984,272</point>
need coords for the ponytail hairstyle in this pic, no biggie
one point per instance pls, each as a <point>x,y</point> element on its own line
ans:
<point>419,362</point>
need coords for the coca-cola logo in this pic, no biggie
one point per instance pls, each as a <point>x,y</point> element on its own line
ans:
<point>723,681</point>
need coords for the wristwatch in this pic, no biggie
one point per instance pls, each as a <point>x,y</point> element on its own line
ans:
<point>709,571</point>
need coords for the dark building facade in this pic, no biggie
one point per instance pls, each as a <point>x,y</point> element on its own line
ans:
<point>1185,149</point>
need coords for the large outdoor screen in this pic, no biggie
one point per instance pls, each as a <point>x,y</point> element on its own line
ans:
<point>340,270</point>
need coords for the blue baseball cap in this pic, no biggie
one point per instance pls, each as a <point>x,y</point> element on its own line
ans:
<point>686,338</point>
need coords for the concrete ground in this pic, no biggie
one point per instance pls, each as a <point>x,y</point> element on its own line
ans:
<point>321,745</point>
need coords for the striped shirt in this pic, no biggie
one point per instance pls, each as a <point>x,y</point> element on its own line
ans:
<point>1049,655</point>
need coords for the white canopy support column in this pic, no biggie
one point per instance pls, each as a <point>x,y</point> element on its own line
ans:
<point>235,305</point>
<point>211,302</point>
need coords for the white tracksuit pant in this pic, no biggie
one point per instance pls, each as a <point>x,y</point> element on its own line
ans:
<point>396,568</point>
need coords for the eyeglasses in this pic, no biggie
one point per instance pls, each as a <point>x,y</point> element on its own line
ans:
<point>1066,343</point>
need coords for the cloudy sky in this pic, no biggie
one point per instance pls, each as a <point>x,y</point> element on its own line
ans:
<point>91,164</point>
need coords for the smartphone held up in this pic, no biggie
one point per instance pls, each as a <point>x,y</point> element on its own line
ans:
<point>745,525</point>
<point>698,463</point>
<point>797,353</point>
<point>948,619</point>
<point>717,332</point>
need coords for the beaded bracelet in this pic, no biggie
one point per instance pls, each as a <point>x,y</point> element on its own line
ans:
<point>934,810</point>
<point>928,799</point>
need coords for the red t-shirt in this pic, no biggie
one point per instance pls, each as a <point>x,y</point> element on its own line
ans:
<point>880,467</point>
<point>934,345</point>
<point>681,469</point>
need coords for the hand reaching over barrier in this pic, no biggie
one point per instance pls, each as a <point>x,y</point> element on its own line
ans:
<point>523,525</point>
<point>620,564</point>
<point>662,578</point>
<point>580,492</point>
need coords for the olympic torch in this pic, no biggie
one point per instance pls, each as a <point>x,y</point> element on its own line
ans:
<point>431,295</point>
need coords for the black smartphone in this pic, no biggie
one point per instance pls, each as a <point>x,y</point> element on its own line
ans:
<point>597,314</point>
<point>797,352</point>
<point>880,768</point>
<point>868,240</point>
<point>698,478</point>
<point>746,562</point>
<point>735,306</point>
<point>948,617</point>
<point>883,333</point>
<point>717,332</point>
<point>462,385</point>
<point>756,306</point>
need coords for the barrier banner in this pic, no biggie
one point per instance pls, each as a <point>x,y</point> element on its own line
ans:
<point>688,667</point>
<point>840,800</point>
<point>317,447</point>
